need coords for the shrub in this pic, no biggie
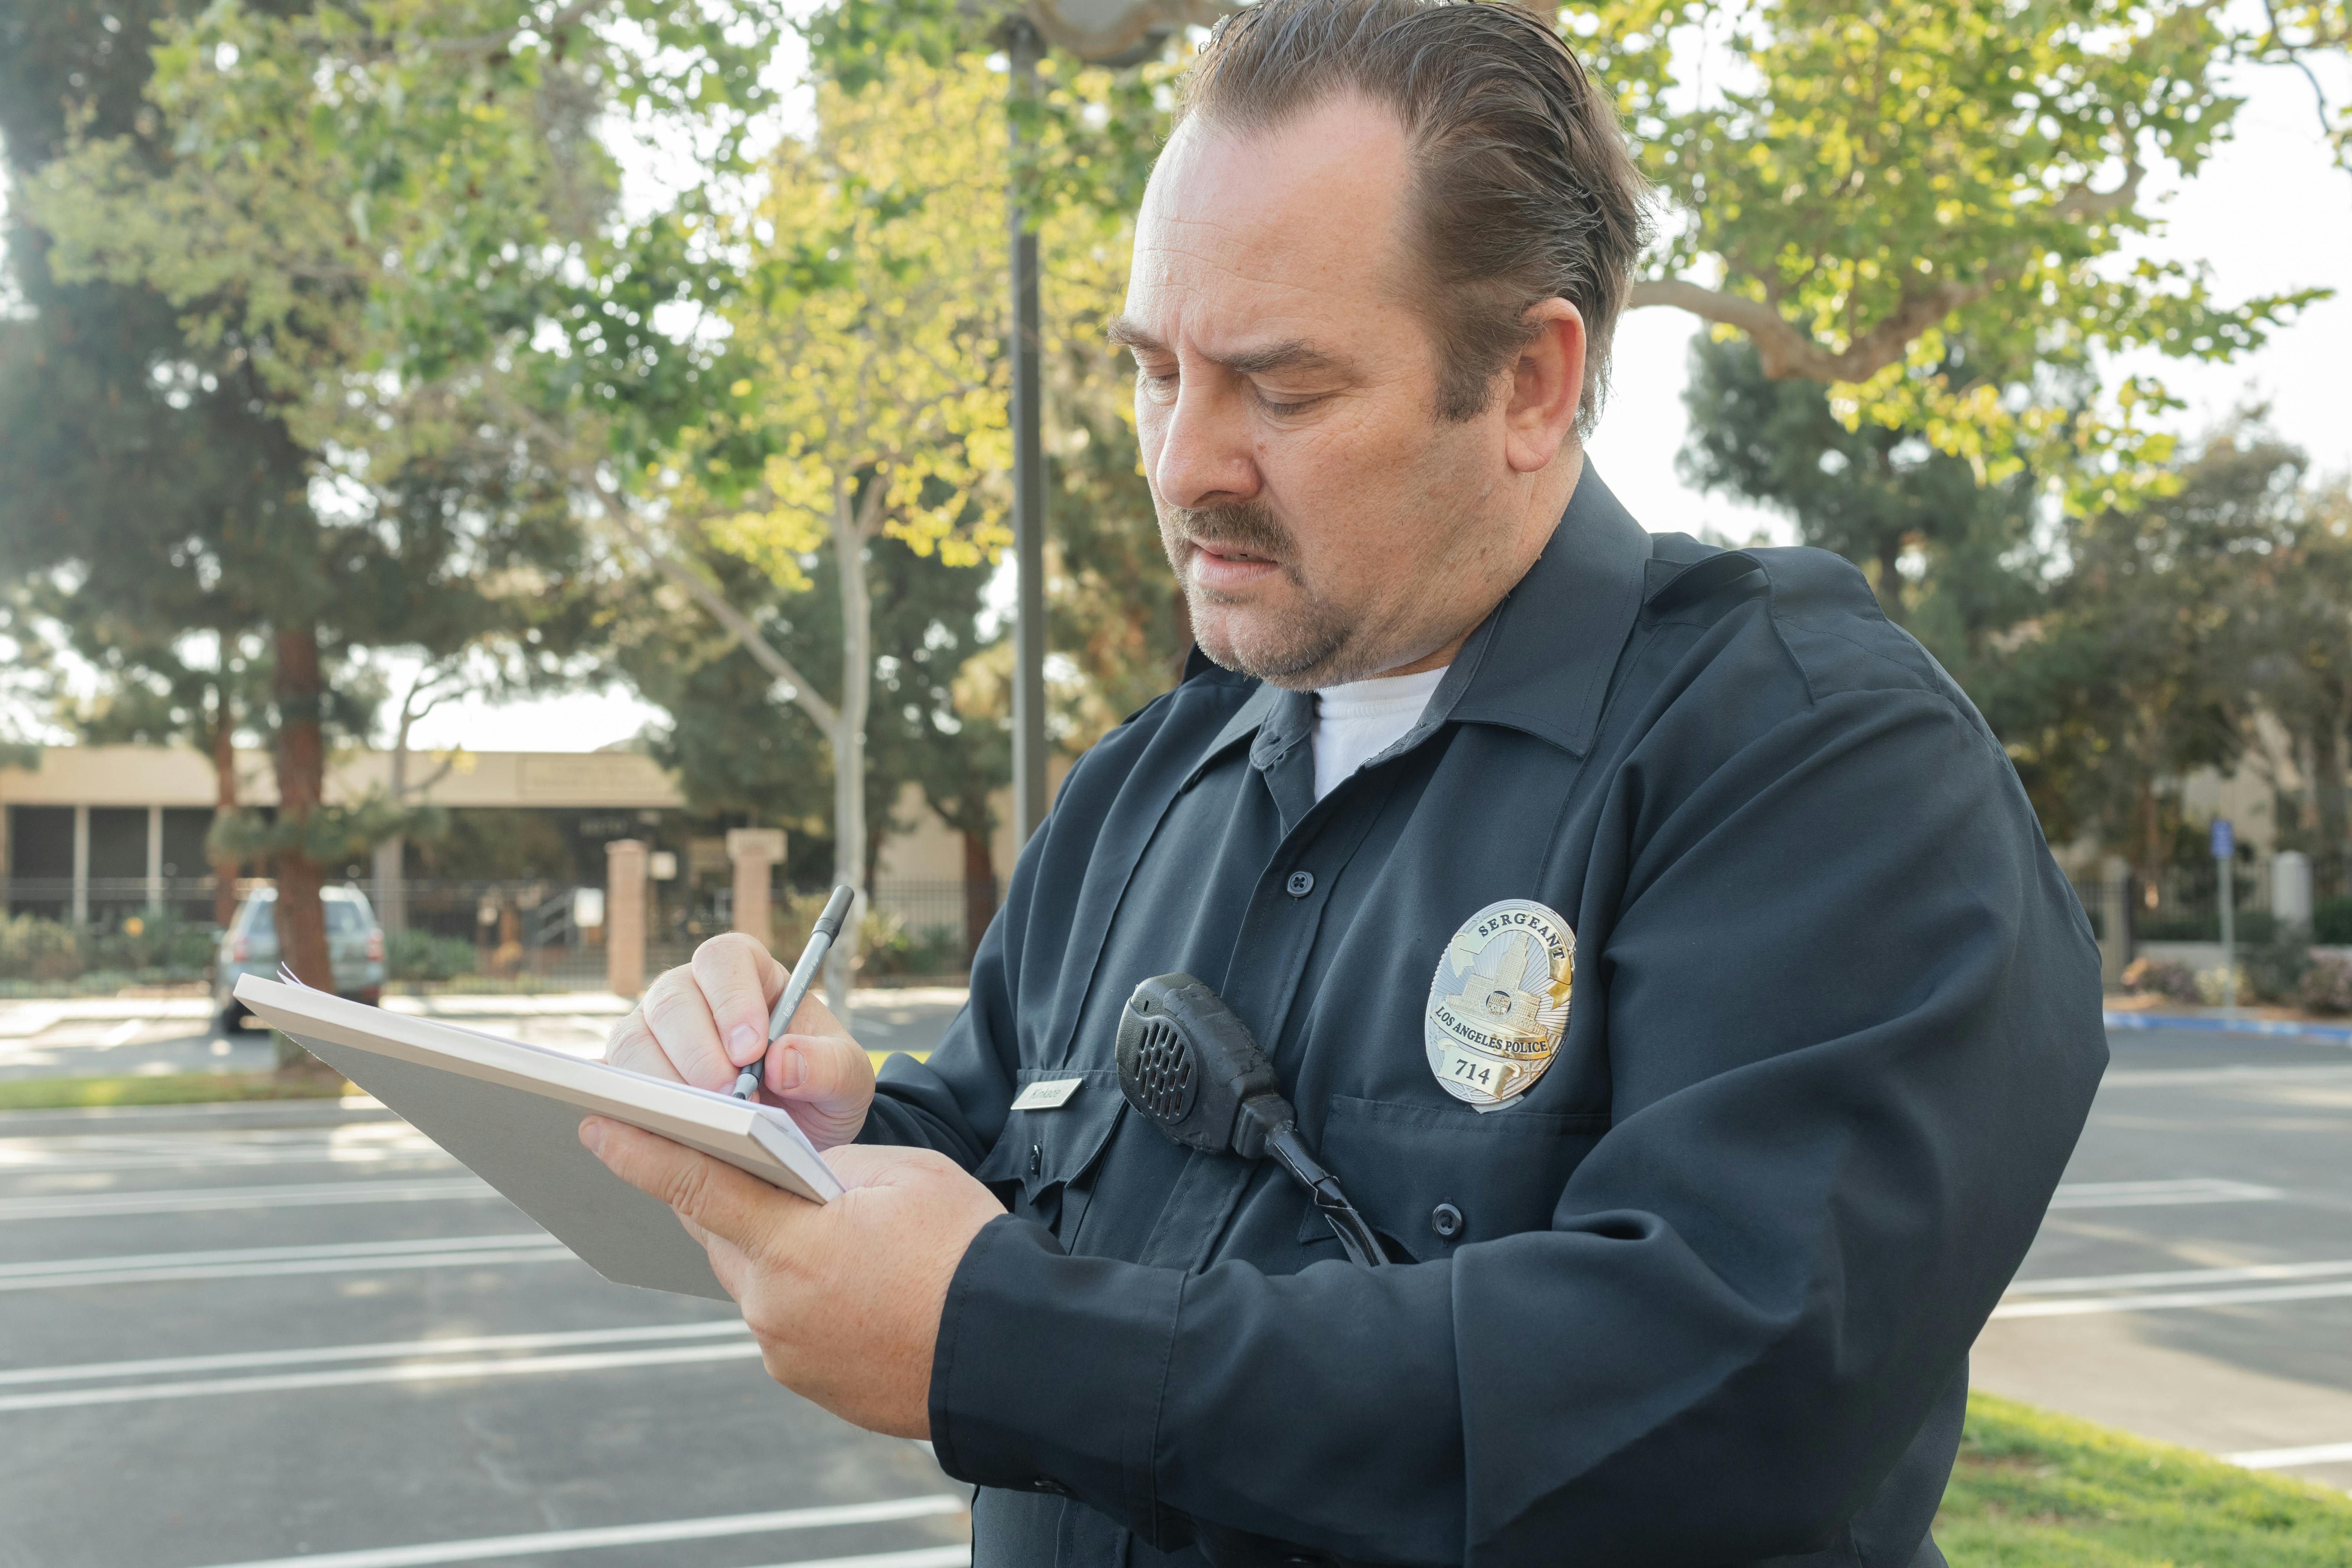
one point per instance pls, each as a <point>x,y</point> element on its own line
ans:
<point>2331,922</point>
<point>2327,987</point>
<point>179,948</point>
<point>32,948</point>
<point>421,955</point>
<point>2161,977</point>
<point>2276,956</point>
<point>2213,985</point>
<point>886,946</point>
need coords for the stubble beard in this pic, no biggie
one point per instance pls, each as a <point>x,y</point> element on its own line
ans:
<point>1300,645</point>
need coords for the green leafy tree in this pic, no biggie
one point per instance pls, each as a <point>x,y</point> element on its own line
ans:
<point>385,231</point>
<point>873,401</point>
<point>1928,207</point>
<point>1882,497</point>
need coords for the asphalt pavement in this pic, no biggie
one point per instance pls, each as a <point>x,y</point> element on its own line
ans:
<point>2193,1279</point>
<point>237,1334</point>
<point>88,1035</point>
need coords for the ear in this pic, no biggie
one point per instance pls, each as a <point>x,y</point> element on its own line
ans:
<point>1547,387</point>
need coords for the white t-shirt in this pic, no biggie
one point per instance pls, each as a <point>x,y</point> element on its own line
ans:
<point>1357,721</point>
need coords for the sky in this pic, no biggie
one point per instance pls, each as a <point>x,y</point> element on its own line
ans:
<point>2268,214</point>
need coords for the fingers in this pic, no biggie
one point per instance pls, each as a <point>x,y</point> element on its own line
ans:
<point>740,982</point>
<point>677,1020</point>
<point>709,1194</point>
<point>632,1045</point>
<point>823,1068</point>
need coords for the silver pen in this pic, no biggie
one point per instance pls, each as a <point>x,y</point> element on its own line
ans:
<point>804,973</point>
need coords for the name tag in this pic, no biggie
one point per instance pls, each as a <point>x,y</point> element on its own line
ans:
<point>1050,1095</point>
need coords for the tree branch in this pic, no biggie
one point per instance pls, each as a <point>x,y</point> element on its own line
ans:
<point>828,718</point>
<point>2082,202</point>
<point>491,42</point>
<point>1785,350</point>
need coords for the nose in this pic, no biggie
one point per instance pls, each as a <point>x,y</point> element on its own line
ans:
<point>1203,455</point>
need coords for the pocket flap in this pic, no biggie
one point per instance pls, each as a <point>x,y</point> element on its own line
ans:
<point>1418,1170</point>
<point>1054,1145</point>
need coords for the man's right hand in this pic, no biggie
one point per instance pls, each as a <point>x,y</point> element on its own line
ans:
<point>702,1023</point>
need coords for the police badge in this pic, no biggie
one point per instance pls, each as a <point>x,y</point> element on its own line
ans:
<point>1498,1003</point>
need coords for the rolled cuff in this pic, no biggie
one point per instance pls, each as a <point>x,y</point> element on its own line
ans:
<point>1049,1370</point>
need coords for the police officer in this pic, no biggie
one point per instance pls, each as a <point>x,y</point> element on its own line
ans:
<point>1655,943</point>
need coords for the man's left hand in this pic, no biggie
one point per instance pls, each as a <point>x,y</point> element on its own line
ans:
<point>845,1297</point>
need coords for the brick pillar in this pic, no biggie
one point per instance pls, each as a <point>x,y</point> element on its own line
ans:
<point>755,851</point>
<point>624,915</point>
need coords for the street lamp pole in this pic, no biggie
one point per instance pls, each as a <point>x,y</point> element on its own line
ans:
<point>1023,46</point>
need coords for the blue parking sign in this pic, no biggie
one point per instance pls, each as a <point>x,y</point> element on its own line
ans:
<point>2224,843</point>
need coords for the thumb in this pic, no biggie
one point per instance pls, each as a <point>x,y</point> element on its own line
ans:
<point>738,979</point>
<point>729,1204</point>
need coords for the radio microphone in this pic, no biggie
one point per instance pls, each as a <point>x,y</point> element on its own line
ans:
<point>1190,1066</point>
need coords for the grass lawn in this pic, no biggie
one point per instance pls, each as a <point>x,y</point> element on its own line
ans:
<point>165,1088</point>
<point>2037,1490</point>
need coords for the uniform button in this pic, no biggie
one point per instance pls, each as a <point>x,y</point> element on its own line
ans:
<point>1301,883</point>
<point>1036,1158</point>
<point>1446,1221</point>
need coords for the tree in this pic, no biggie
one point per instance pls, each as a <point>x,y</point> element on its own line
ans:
<point>118,446</point>
<point>1879,496</point>
<point>874,404</point>
<point>740,747</point>
<point>365,222</point>
<point>2290,623</point>
<point>1927,205</point>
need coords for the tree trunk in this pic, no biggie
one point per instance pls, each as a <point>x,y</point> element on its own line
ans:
<point>849,745</point>
<point>302,787</point>
<point>1890,576</point>
<point>391,897</point>
<point>2151,862</point>
<point>2327,792</point>
<point>978,891</point>
<point>224,868</point>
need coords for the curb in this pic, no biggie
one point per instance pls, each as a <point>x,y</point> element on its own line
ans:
<point>2289,1028</point>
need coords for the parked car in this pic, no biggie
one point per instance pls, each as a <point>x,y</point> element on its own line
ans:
<point>354,948</point>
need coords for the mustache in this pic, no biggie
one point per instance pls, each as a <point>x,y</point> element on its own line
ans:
<point>1247,526</point>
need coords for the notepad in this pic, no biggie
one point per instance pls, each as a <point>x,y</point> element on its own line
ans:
<point>510,1113</point>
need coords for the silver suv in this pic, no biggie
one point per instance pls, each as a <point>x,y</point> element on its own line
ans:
<point>354,948</point>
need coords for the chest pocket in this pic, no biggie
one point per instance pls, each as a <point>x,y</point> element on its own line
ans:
<point>1043,1153</point>
<point>1433,1178</point>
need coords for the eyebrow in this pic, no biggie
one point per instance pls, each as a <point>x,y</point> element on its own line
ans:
<point>1295,353</point>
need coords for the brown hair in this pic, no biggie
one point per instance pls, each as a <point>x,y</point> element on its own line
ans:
<point>1524,188</point>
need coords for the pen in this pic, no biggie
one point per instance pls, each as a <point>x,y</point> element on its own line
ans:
<point>819,942</point>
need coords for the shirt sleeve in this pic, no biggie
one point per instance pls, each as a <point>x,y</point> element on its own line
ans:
<point>1853,1015</point>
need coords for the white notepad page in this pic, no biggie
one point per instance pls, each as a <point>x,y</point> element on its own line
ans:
<point>511,1113</point>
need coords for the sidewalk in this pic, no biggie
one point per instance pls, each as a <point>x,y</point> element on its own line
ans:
<point>2217,1020</point>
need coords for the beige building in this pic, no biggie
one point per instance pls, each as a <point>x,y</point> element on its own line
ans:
<point>89,830</point>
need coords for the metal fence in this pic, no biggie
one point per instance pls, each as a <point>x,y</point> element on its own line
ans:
<point>463,935</point>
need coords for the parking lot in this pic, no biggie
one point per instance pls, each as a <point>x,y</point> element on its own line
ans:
<point>235,1335</point>
<point>2193,1280</point>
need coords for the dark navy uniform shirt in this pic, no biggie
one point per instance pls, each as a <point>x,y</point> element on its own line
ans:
<point>1834,1029</point>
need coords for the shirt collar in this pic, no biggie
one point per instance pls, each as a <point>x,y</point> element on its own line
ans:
<point>1540,662</point>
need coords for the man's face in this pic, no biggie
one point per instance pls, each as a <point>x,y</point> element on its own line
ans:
<point>1325,523</point>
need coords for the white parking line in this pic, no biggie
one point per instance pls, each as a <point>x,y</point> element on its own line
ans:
<point>631,1535</point>
<point>2150,1194</point>
<point>2281,1458</point>
<point>2084,1306</point>
<point>439,1252</point>
<point>468,1345</point>
<point>193,1200</point>
<point>921,1557</point>
<point>352,1377</point>
<point>2245,1274</point>
<point>123,1033</point>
